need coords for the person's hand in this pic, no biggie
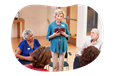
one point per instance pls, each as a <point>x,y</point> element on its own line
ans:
<point>64,34</point>
<point>29,58</point>
<point>77,55</point>
<point>56,34</point>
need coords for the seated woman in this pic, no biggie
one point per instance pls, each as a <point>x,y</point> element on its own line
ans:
<point>88,55</point>
<point>40,57</point>
<point>26,47</point>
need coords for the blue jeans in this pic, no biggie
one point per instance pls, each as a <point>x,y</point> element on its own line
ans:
<point>76,63</point>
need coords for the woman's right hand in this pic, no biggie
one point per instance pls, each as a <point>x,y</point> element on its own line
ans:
<point>17,54</point>
<point>56,34</point>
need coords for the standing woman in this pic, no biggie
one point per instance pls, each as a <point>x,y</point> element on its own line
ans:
<point>58,40</point>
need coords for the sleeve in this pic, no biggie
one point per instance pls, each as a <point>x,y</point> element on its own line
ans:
<point>21,46</point>
<point>101,48</point>
<point>48,33</point>
<point>37,43</point>
<point>67,32</point>
<point>81,49</point>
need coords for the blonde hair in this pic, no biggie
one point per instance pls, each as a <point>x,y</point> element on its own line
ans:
<point>59,11</point>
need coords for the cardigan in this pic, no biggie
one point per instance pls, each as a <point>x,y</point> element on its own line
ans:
<point>54,47</point>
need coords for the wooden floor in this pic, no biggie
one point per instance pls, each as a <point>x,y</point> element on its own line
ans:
<point>44,42</point>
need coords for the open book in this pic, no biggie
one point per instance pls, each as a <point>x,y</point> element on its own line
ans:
<point>59,29</point>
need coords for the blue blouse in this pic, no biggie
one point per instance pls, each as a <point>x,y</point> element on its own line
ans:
<point>26,49</point>
<point>59,41</point>
<point>54,47</point>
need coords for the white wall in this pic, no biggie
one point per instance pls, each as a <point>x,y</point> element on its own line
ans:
<point>81,25</point>
<point>100,28</point>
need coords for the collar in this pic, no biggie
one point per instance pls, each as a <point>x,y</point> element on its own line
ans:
<point>60,22</point>
<point>95,41</point>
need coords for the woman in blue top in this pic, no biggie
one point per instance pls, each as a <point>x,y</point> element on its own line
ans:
<point>26,47</point>
<point>58,40</point>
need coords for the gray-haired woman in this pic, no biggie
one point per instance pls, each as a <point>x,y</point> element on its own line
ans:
<point>26,47</point>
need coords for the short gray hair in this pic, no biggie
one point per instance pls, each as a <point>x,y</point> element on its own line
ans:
<point>96,30</point>
<point>26,32</point>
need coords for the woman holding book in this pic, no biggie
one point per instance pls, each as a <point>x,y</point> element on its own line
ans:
<point>58,33</point>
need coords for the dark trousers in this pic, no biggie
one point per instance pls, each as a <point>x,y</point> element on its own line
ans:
<point>76,66</point>
<point>76,63</point>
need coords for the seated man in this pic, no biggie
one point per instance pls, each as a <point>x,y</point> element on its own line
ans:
<point>94,41</point>
<point>40,57</point>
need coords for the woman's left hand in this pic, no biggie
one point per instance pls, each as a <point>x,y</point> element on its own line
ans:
<point>64,34</point>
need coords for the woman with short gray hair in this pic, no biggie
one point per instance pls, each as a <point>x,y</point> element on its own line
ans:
<point>26,47</point>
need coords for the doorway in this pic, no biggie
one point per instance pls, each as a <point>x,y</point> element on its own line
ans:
<point>71,19</point>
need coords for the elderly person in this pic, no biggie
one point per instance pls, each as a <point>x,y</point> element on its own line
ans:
<point>26,47</point>
<point>94,41</point>
<point>58,40</point>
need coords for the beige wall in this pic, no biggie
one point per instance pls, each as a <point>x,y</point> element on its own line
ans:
<point>48,15</point>
<point>35,18</point>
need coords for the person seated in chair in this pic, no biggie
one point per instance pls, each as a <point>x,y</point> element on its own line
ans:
<point>94,41</point>
<point>88,55</point>
<point>27,46</point>
<point>40,57</point>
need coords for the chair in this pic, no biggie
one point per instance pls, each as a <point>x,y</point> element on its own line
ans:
<point>65,62</point>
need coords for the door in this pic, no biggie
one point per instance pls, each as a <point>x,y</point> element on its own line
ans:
<point>71,19</point>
